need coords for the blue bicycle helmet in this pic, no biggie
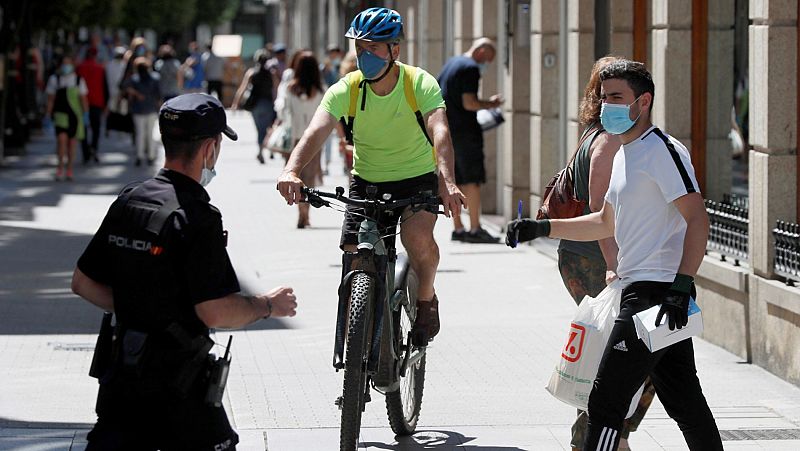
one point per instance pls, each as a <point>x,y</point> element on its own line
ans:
<point>377,25</point>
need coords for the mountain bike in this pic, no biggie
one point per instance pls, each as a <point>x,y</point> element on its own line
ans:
<point>377,309</point>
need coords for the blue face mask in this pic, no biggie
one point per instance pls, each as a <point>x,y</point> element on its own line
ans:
<point>616,119</point>
<point>207,174</point>
<point>370,64</point>
<point>482,67</point>
<point>67,69</point>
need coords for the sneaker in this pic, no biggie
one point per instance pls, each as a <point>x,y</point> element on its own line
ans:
<point>480,236</point>
<point>458,235</point>
<point>260,158</point>
<point>426,325</point>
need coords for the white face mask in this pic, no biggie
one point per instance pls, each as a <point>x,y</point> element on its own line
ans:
<point>208,174</point>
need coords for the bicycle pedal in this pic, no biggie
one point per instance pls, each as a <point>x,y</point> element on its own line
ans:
<point>339,401</point>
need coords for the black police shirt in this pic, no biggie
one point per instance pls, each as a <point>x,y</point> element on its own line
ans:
<point>157,280</point>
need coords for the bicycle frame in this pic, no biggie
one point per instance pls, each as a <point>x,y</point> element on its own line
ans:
<point>389,270</point>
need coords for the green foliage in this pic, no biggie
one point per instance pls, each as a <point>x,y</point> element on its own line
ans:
<point>214,12</point>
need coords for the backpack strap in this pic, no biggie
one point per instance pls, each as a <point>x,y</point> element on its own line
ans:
<point>408,88</point>
<point>354,82</point>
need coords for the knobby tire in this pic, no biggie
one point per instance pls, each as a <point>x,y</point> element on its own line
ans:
<point>403,405</point>
<point>355,375</point>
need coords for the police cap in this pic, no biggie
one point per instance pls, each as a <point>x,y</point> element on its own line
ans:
<point>193,116</point>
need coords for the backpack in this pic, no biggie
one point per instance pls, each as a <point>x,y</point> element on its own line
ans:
<point>356,80</point>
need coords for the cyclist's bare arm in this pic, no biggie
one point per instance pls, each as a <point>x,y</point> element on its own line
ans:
<point>314,137</point>
<point>438,130</point>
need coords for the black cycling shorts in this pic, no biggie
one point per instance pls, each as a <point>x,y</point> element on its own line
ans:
<point>387,223</point>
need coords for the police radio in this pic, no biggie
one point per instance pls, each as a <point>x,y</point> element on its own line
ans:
<point>218,377</point>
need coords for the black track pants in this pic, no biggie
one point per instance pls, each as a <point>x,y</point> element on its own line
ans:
<point>625,365</point>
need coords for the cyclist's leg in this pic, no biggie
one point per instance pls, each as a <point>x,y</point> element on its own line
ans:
<point>423,253</point>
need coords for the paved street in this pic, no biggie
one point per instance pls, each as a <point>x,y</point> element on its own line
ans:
<point>505,316</point>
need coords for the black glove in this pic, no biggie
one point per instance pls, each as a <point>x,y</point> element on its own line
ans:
<point>676,302</point>
<point>521,230</point>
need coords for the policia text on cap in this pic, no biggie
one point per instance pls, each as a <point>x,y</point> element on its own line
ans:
<point>159,263</point>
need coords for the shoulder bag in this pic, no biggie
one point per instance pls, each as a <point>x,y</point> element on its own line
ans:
<point>559,195</point>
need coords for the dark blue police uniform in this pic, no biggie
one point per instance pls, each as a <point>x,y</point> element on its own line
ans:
<point>161,248</point>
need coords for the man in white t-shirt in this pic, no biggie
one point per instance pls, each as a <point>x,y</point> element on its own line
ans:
<point>654,209</point>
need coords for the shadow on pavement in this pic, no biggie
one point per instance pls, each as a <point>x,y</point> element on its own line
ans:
<point>433,439</point>
<point>8,423</point>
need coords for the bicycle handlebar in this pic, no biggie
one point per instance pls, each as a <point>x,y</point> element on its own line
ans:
<point>421,201</point>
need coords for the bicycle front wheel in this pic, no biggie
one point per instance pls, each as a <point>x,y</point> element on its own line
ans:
<point>355,365</point>
<point>403,405</point>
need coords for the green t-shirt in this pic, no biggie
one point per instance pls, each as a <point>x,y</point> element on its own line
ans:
<point>388,142</point>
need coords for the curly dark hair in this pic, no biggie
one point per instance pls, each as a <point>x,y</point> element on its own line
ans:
<point>306,75</point>
<point>589,110</point>
<point>633,72</point>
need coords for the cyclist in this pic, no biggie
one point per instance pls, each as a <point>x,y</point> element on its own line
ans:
<point>392,149</point>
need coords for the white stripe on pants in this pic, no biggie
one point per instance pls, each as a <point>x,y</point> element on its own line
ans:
<point>607,438</point>
<point>143,124</point>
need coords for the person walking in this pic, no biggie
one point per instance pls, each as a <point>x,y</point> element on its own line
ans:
<point>145,97</point>
<point>586,267</point>
<point>169,69</point>
<point>399,149</point>
<point>68,110</point>
<point>194,73</point>
<point>94,74</point>
<point>460,79</point>
<point>214,69</point>
<point>158,388</point>
<point>655,212</point>
<point>303,96</point>
<point>259,80</point>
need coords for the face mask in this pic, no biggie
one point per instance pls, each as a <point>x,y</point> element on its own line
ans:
<point>67,69</point>
<point>370,64</point>
<point>208,174</point>
<point>482,67</point>
<point>336,62</point>
<point>139,51</point>
<point>616,119</point>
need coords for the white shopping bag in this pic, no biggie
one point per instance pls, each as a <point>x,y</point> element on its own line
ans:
<point>589,331</point>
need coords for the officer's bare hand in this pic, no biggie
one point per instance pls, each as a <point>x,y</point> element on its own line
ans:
<point>289,185</point>
<point>452,199</point>
<point>283,300</point>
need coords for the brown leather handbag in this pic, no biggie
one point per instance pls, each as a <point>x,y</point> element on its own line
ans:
<point>559,195</point>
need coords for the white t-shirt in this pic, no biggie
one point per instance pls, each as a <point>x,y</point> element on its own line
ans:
<point>65,81</point>
<point>648,175</point>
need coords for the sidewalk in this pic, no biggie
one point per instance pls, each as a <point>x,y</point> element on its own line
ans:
<point>505,316</point>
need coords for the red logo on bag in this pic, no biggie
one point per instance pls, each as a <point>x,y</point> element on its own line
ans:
<point>572,352</point>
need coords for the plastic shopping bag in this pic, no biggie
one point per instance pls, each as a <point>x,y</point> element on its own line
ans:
<point>573,377</point>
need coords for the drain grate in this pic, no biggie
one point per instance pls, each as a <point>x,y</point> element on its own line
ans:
<point>760,434</point>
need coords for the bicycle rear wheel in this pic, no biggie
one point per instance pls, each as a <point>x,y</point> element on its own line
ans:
<point>403,405</point>
<point>355,371</point>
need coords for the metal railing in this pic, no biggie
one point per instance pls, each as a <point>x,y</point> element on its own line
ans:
<point>729,227</point>
<point>787,251</point>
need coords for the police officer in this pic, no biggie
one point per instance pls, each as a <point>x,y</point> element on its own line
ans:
<point>159,263</point>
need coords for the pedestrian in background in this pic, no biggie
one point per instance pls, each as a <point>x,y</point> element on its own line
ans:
<point>349,64</point>
<point>194,75</point>
<point>654,210</point>
<point>586,267</point>
<point>259,81</point>
<point>303,95</point>
<point>214,69</point>
<point>277,65</point>
<point>460,80</point>
<point>169,72</point>
<point>94,74</point>
<point>68,109</point>
<point>117,105</point>
<point>145,99</point>
<point>330,75</point>
<point>159,386</point>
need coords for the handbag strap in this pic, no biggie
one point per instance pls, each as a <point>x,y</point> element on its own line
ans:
<point>586,133</point>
